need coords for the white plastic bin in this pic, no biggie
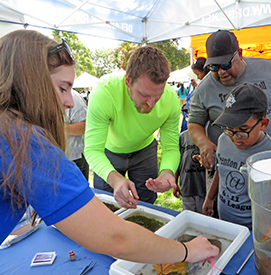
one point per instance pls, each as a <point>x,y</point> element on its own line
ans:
<point>190,222</point>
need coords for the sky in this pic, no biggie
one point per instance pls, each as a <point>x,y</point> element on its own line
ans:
<point>93,42</point>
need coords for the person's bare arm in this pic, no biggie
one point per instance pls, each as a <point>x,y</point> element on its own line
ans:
<point>207,148</point>
<point>98,229</point>
<point>176,190</point>
<point>208,205</point>
<point>75,129</point>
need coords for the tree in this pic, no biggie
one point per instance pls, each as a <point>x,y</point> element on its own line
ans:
<point>80,53</point>
<point>122,54</point>
<point>102,61</point>
<point>178,58</point>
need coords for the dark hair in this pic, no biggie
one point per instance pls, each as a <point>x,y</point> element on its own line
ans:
<point>182,88</point>
<point>199,65</point>
<point>259,115</point>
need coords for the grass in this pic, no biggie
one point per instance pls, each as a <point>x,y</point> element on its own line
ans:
<point>168,200</point>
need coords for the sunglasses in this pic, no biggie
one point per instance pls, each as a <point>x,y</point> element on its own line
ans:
<point>60,47</point>
<point>226,66</point>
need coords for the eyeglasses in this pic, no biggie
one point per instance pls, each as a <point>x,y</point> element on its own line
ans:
<point>240,134</point>
<point>226,66</point>
<point>60,47</point>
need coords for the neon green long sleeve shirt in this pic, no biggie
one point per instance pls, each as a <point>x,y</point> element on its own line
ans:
<point>114,123</point>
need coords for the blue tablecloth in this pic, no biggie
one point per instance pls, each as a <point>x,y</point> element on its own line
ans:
<point>16,259</point>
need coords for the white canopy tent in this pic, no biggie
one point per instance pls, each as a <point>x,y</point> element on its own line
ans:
<point>180,75</point>
<point>139,21</point>
<point>85,80</point>
<point>6,27</point>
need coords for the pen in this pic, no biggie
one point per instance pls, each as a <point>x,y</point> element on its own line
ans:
<point>245,261</point>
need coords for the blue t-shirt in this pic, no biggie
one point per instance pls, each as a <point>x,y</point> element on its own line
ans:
<point>55,188</point>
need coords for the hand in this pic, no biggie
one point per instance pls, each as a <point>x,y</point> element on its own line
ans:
<point>177,191</point>
<point>125,192</point>
<point>163,183</point>
<point>194,83</point>
<point>198,157</point>
<point>200,249</point>
<point>208,207</point>
<point>206,153</point>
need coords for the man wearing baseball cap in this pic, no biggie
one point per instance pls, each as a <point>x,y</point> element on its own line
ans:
<point>228,70</point>
<point>243,122</point>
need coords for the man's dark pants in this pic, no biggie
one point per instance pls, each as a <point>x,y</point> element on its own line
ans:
<point>140,166</point>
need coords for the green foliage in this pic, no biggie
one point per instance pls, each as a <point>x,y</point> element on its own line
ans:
<point>102,60</point>
<point>122,54</point>
<point>80,53</point>
<point>178,58</point>
<point>168,200</point>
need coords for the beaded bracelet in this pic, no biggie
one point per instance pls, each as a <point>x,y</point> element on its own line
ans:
<point>186,252</point>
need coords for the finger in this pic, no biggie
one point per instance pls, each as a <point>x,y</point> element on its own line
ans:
<point>127,205</point>
<point>125,199</point>
<point>126,202</point>
<point>133,191</point>
<point>177,194</point>
<point>130,199</point>
<point>152,185</point>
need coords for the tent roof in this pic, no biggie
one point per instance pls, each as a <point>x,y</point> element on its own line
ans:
<point>182,75</point>
<point>85,80</point>
<point>254,42</point>
<point>140,21</point>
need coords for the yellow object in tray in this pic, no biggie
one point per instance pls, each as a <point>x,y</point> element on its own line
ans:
<point>180,268</point>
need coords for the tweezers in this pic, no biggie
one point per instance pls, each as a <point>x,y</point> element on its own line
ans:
<point>90,266</point>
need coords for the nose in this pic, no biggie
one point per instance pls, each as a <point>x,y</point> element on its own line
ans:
<point>151,102</point>
<point>221,71</point>
<point>68,103</point>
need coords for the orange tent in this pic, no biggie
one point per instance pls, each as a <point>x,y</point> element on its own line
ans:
<point>255,42</point>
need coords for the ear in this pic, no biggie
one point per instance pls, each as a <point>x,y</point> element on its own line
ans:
<point>127,82</point>
<point>264,123</point>
<point>240,53</point>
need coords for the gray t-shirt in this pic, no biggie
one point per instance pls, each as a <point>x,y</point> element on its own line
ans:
<point>206,103</point>
<point>75,144</point>
<point>233,200</point>
<point>192,175</point>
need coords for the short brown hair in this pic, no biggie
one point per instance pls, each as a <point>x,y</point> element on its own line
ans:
<point>148,61</point>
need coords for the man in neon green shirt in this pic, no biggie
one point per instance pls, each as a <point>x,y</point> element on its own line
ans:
<point>124,111</point>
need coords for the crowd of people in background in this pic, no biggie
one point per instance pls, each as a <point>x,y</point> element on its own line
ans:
<point>85,95</point>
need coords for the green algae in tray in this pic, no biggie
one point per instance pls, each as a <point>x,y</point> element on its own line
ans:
<point>111,203</point>
<point>149,222</point>
<point>111,206</point>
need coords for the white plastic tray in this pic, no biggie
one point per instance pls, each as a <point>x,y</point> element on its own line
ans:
<point>191,222</point>
<point>110,199</point>
<point>159,215</point>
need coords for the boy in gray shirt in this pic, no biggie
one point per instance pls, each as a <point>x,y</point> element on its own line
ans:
<point>243,122</point>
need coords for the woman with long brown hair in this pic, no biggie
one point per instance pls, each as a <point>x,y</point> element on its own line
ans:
<point>36,77</point>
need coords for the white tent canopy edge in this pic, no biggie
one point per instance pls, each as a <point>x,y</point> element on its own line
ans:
<point>139,21</point>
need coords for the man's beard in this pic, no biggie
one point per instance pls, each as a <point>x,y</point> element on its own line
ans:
<point>138,107</point>
<point>141,110</point>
